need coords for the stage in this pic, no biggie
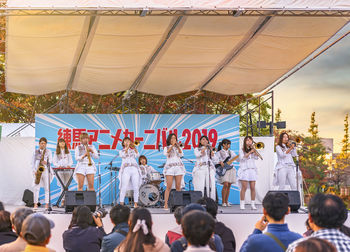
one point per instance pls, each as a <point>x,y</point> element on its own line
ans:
<point>240,221</point>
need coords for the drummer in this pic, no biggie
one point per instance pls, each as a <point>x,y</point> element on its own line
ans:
<point>146,169</point>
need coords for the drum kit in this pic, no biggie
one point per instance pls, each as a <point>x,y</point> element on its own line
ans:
<point>151,191</point>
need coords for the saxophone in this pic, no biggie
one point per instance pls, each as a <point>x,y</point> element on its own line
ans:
<point>88,155</point>
<point>40,169</point>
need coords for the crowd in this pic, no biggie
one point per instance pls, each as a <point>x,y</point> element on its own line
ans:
<point>197,229</point>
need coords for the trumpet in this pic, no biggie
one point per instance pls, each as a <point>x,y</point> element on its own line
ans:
<point>258,146</point>
<point>133,144</point>
<point>40,169</point>
<point>180,144</point>
<point>88,155</point>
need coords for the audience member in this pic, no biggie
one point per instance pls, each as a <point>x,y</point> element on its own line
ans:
<point>82,235</point>
<point>36,231</point>
<point>6,233</point>
<point>309,230</point>
<point>327,213</point>
<point>140,237</point>
<point>278,237</point>
<point>315,245</point>
<point>181,244</point>
<point>1,206</point>
<point>119,215</point>
<point>226,234</point>
<point>198,227</point>
<point>175,233</point>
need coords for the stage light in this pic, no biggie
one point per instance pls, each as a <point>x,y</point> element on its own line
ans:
<point>261,124</point>
<point>238,12</point>
<point>280,125</point>
<point>143,12</point>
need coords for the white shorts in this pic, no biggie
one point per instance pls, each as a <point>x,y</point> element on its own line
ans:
<point>174,171</point>
<point>85,169</point>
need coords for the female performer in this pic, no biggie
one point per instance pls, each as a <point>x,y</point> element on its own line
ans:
<point>173,168</point>
<point>84,154</point>
<point>145,168</point>
<point>285,167</point>
<point>247,172</point>
<point>129,174</point>
<point>230,176</point>
<point>62,158</point>
<point>204,170</point>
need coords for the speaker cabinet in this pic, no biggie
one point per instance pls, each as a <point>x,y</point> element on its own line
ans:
<point>80,198</point>
<point>294,199</point>
<point>183,198</point>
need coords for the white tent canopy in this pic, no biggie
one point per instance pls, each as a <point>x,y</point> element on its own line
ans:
<point>160,54</point>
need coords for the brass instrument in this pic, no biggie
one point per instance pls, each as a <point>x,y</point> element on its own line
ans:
<point>88,155</point>
<point>41,169</point>
<point>133,144</point>
<point>258,146</point>
<point>180,144</point>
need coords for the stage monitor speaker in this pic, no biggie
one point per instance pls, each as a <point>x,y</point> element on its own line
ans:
<point>80,198</point>
<point>294,199</point>
<point>183,198</point>
<point>28,198</point>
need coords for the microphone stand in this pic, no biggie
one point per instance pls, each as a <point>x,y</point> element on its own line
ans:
<point>49,209</point>
<point>99,179</point>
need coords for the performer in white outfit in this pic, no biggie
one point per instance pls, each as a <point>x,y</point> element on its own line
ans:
<point>174,167</point>
<point>285,170</point>
<point>62,158</point>
<point>247,172</point>
<point>129,174</point>
<point>230,176</point>
<point>44,156</point>
<point>84,154</point>
<point>204,170</point>
<point>145,169</point>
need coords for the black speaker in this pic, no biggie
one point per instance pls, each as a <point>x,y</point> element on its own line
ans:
<point>80,198</point>
<point>28,198</point>
<point>183,198</point>
<point>294,199</point>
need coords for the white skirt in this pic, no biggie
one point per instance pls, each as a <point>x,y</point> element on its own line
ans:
<point>247,174</point>
<point>230,177</point>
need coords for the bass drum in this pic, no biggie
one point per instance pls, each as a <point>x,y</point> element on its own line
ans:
<point>149,195</point>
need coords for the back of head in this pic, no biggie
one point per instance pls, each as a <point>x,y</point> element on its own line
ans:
<point>5,221</point>
<point>315,245</point>
<point>18,216</point>
<point>327,211</point>
<point>198,227</point>
<point>36,229</point>
<point>178,213</point>
<point>81,217</point>
<point>119,214</point>
<point>193,206</point>
<point>276,205</point>
<point>210,205</point>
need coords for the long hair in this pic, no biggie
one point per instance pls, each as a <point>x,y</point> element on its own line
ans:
<point>58,148</point>
<point>199,144</point>
<point>81,217</point>
<point>134,240</point>
<point>168,140</point>
<point>221,144</point>
<point>245,147</point>
<point>142,157</point>
<point>280,139</point>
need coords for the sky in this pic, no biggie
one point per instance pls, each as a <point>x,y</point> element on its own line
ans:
<point>322,86</point>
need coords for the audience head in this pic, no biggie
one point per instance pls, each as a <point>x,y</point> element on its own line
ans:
<point>119,214</point>
<point>81,217</point>
<point>315,245</point>
<point>210,205</point>
<point>18,216</point>
<point>327,211</point>
<point>178,213</point>
<point>5,221</point>
<point>36,229</point>
<point>275,205</point>
<point>191,207</point>
<point>198,227</point>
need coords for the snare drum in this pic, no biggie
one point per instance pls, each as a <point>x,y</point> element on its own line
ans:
<point>154,178</point>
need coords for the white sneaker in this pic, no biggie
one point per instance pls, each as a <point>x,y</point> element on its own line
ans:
<point>241,205</point>
<point>228,204</point>
<point>224,205</point>
<point>253,205</point>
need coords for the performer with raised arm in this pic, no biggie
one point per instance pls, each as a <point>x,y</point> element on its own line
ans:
<point>40,164</point>
<point>174,167</point>
<point>145,169</point>
<point>129,174</point>
<point>62,159</point>
<point>247,172</point>
<point>204,170</point>
<point>225,154</point>
<point>85,168</point>
<point>285,170</point>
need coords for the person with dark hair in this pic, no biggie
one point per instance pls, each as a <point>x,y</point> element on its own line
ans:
<point>198,228</point>
<point>1,206</point>
<point>41,157</point>
<point>6,233</point>
<point>285,173</point>
<point>229,178</point>
<point>278,237</point>
<point>315,245</point>
<point>175,233</point>
<point>309,230</point>
<point>180,245</point>
<point>225,233</point>
<point>36,231</point>
<point>327,214</point>
<point>129,174</point>
<point>119,215</point>
<point>82,235</point>
<point>248,172</point>
<point>145,169</point>
<point>140,237</point>
<point>204,170</point>
<point>17,218</point>
<point>174,167</point>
